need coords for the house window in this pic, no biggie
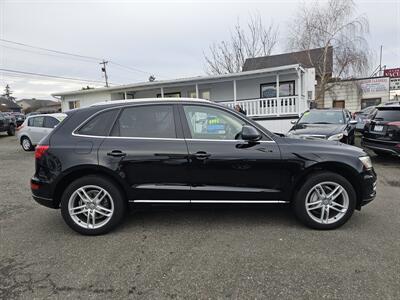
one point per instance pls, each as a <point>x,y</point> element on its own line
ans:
<point>74,104</point>
<point>370,102</point>
<point>170,95</point>
<point>338,104</point>
<point>202,94</point>
<point>286,88</point>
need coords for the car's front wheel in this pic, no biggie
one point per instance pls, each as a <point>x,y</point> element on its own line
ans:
<point>93,205</point>
<point>325,201</point>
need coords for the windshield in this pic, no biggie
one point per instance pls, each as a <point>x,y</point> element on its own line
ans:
<point>322,117</point>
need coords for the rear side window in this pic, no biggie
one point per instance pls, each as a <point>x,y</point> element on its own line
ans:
<point>388,115</point>
<point>153,121</point>
<point>100,125</point>
<point>50,122</point>
<point>36,122</point>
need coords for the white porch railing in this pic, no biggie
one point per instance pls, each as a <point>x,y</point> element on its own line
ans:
<point>269,106</point>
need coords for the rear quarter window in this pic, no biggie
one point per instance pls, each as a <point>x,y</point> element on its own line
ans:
<point>100,124</point>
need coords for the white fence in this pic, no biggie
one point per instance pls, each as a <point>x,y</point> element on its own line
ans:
<point>270,106</point>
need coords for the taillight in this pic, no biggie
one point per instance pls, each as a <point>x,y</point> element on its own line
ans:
<point>397,123</point>
<point>20,127</point>
<point>40,150</point>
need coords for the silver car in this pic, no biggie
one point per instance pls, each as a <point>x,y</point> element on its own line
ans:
<point>37,127</point>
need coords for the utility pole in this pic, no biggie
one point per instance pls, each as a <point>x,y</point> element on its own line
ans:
<point>380,62</point>
<point>104,70</point>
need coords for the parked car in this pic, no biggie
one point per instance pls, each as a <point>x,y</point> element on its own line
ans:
<point>19,118</point>
<point>102,158</point>
<point>7,123</point>
<point>36,127</point>
<point>362,117</point>
<point>326,124</point>
<point>382,133</point>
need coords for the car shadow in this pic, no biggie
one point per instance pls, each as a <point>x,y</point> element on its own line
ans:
<point>203,215</point>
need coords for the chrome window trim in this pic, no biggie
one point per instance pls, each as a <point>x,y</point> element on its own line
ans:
<point>169,139</point>
<point>165,139</point>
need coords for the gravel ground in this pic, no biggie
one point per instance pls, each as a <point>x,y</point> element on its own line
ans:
<point>218,252</point>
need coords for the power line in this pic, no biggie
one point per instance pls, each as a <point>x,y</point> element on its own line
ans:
<point>50,76</point>
<point>51,50</point>
<point>76,55</point>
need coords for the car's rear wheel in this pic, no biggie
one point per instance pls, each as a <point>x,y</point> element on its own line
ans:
<point>325,201</point>
<point>11,130</point>
<point>26,144</point>
<point>93,205</point>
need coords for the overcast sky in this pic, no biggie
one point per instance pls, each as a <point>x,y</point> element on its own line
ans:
<point>161,37</point>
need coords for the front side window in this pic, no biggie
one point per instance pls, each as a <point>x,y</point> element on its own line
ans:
<point>211,123</point>
<point>36,122</point>
<point>152,121</point>
<point>100,125</point>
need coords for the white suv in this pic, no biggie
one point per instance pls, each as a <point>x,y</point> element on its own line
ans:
<point>37,127</point>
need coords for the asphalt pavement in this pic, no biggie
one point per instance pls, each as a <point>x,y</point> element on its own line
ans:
<point>196,253</point>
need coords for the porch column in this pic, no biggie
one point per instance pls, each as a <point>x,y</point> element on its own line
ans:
<point>299,91</point>
<point>125,96</point>
<point>197,90</point>
<point>234,92</point>
<point>162,92</point>
<point>278,99</point>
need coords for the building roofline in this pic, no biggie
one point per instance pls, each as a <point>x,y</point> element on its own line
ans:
<point>183,80</point>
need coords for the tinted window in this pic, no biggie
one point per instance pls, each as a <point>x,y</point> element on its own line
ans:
<point>36,122</point>
<point>388,115</point>
<point>211,123</point>
<point>100,125</point>
<point>50,122</point>
<point>155,121</point>
<point>322,117</point>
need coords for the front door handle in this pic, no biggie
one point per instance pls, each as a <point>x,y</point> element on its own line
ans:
<point>116,153</point>
<point>201,155</point>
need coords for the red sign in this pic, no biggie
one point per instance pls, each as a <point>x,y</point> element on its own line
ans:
<point>393,73</point>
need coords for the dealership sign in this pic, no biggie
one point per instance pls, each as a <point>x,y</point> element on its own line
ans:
<point>373,86</point>
<point>393,73</point>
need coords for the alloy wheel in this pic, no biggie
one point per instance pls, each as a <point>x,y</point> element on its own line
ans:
<point>91,207</point>
<point>327,202</point>
<point>26,144</point>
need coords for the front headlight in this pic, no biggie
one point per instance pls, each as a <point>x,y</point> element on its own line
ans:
<point>366,161</point>
<point>336,137</point>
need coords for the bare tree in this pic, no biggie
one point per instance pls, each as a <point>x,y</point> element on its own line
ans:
<point>255,40</point>
<point>331,25</point>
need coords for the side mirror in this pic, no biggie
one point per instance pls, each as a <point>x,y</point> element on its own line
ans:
<point>293,122</point>
<point>353,122</point>
<point>249,133</point>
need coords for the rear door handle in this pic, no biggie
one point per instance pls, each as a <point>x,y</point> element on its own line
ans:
<point>201,155</point>
<point>116,153</point>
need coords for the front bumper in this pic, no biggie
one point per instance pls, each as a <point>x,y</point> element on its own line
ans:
<point>368,187</point>
<point>383,146</point>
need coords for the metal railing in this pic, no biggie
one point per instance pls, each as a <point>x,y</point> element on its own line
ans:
<point>267,106</point>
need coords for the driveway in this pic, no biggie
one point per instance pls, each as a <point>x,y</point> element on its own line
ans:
<point>218,252</point>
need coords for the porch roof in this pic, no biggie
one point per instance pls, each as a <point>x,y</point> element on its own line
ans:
<point>187,81</point>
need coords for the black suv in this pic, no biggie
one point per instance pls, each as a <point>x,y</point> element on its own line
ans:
<point>7,123</point>
<point>104,157</point>
<point>382,133</point>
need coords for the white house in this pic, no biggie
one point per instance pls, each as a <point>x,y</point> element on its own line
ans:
<point>255,91</point>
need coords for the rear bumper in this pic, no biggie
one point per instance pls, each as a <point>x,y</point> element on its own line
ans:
<point>41,193</point>
<point>388,147</point>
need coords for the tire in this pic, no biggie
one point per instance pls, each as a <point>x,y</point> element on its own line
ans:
<point>11,130</point>
<point>108,213</point>
<point>308,194</point>
<point>26,144</point>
